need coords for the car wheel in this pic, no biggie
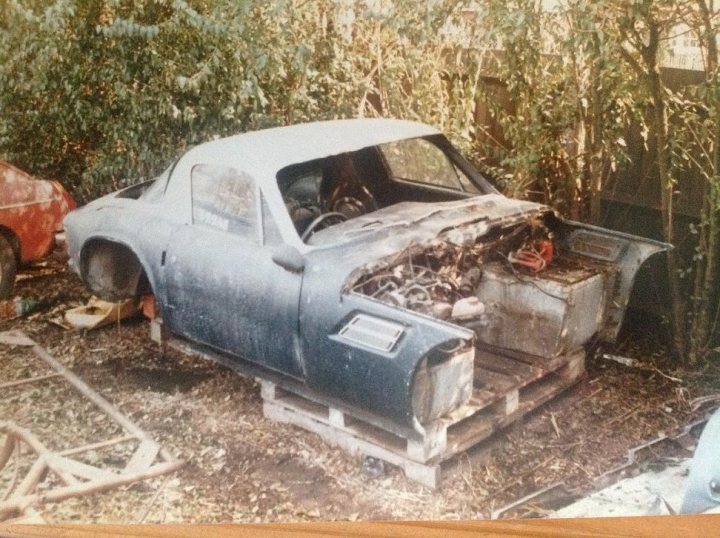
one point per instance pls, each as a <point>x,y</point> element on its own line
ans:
<point>8,268</point>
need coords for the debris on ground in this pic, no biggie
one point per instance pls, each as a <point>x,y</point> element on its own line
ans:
<point>32,472</point>
<point>625,361</point>
<point>18,307</point>
<point>244,468</point>
<point>98,313</point>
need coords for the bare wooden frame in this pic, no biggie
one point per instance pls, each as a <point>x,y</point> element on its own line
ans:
<point>148,461</point>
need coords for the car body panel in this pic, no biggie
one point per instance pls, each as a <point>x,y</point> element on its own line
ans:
<point>33,210</point>
<point>305,317</point>
<point>226,292</point>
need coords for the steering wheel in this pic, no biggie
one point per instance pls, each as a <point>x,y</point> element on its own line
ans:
<point>319,220</point>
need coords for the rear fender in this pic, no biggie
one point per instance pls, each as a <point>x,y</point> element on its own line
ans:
<point>624,252</point>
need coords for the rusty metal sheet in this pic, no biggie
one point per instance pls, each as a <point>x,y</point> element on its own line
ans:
<point>32,209</point>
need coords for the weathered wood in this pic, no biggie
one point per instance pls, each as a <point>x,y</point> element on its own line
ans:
<point>518,370</point>
<point>33,477</point>
<point>511,393</point>
<point>17,504</point>
<point>78,468</point>
<point>493,381</point>
<point>143,456</point>
<point>547,364</point>
<point>500,397</point>
<point>25,436</point>
<point>89,393</point>
<point>427,475</point>
<point>70,471</point>
<point>98,445</point>
<point>7,450</point>
<point>27,380</point>
<point>638,526</point>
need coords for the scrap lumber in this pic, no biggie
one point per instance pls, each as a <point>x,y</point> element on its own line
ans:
<point>98,313</point>
<point>73,477</point>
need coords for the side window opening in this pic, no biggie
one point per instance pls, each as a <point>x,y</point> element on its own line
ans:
<point>224,198</point>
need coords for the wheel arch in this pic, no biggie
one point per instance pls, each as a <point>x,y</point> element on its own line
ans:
<point>114,270</point>
<point>13,239</point>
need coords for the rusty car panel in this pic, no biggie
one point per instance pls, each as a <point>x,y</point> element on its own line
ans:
<point>32,209</point>
<point>366,259</point>
<point>31,215</point>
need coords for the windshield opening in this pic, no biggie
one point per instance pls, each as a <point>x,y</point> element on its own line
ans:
<point>328,192</point>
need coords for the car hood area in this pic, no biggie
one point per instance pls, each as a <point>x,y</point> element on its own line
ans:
<point>515,273</point>
<point>412,221</point>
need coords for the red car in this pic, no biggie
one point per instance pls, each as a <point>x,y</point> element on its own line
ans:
<point>31,214</point>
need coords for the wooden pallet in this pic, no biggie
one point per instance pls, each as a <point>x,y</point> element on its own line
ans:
<point>505,388</point>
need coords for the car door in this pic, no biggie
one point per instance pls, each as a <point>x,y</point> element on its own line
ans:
<point>223,288</point>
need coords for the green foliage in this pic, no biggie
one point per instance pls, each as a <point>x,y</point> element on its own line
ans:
<point>101,92</point>
<point>94,92</point>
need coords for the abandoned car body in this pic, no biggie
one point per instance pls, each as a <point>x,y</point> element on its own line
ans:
<point>31,216</point>
<point>365,258</point>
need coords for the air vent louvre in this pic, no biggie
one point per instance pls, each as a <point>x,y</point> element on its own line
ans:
<point>372,332</point>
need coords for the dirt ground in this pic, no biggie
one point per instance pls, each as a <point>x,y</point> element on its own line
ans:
<point>244,468</point>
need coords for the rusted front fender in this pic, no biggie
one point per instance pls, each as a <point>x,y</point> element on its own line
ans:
<point>32,210</point>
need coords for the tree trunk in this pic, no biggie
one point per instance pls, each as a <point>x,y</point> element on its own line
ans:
<point>661,132</point>
<point>707,267</point>
<point>595,146</point>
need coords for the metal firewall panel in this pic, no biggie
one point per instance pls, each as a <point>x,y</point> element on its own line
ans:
<point>225,291</point>
<point>538,315</point>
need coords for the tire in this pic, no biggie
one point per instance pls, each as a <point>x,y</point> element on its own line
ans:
<point>8,268</point>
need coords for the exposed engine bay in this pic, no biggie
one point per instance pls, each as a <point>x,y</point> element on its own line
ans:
<point>523,287</point>
<point>519,276</point>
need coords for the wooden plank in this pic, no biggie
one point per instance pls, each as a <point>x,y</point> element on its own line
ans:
<point>89,393</point>
<point>17,503</point>
<point>516,369</point>
<point>639,526</point>
<point>27,380</point>
<point>426,474</point>
<point>548,364</point>
<point>477,429</point>
<point>7,450</point>
<point>78,468</point>
<point>488,411</point>
<point>99,444</point>
<point>481,398</point>
<point>21,435</point>
<point>143,457</point>
<point>493,381</point>
<point>357,427</point>
<point>34,476</point>
<point>471,434</point>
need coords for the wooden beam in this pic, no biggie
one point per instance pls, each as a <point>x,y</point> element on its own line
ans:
<point>27,380</point>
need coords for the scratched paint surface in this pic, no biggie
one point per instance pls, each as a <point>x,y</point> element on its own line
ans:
<point>32,209</point>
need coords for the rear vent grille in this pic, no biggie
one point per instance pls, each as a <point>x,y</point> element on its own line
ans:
<point>596,245</point>
<point>372,332</point>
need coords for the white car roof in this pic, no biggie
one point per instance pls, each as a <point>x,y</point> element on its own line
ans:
<point>263,153</point>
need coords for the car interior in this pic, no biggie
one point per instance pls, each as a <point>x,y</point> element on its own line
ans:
<point>323,192</point>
